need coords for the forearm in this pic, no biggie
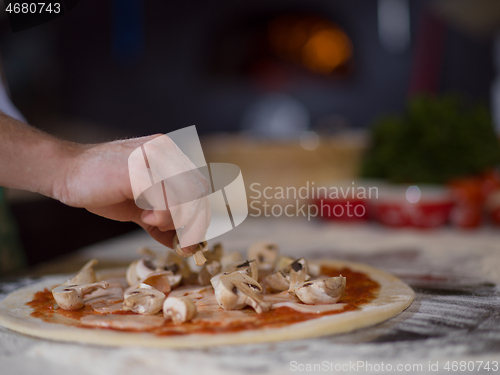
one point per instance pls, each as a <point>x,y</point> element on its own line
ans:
<point>31,159</point>
<point>95,177</point>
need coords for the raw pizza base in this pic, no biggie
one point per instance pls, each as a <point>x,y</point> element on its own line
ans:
<point>394,297</point>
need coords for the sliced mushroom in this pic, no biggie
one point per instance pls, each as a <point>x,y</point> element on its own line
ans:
<point>248,267</point>
<point>322,291</point>
<point>159,280</point>
<point>298,274</point>
<point>174,260</point>
<point>176,267</point>
<point>141,269</point>
<point>277,281</point>
<point>179,309</point>
<point>144,267</point>
<point>209,270</point>
<point>265,253</point>
<point>108,296</point>
<point>199,258</point>
<point>86,275</point>
<point>288,277</point>
<point>227,295</point>
<point>173,272</point>
<point>237,290</point>
<point>70,297</point>
<point>174,279</point>
<point>143,300</point>
<point>194,268</point>
<point>198,254</point>
<point>166,261</point>
<point>131,275</point>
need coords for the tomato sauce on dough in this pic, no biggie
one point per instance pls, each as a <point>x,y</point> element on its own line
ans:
<point>360,289</point>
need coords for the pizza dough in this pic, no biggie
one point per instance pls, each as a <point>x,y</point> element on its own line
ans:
<point>394,296</point>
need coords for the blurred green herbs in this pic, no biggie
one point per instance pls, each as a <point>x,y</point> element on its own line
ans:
<point>438,139</point>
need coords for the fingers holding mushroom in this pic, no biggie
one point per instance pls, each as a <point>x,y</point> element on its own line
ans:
<point>197,254</point>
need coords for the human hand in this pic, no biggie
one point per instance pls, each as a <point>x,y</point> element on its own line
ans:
<point>96,177</point>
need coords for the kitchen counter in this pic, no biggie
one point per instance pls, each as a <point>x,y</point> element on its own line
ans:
<point>455,316</point>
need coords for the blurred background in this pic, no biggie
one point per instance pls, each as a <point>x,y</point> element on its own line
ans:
<point>291,91</point>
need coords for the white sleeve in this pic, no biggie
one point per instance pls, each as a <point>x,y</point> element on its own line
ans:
<point>6,105</point>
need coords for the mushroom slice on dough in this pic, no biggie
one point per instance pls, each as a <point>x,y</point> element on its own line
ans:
<point>248,267</point>
<point>174,279</point>
<point>131,274</point>
<point>179,267</point>
<point>277,281</point>
<point>153,262</point>
<point>179,309</point>
<point>209,270</point>
<point>142,300</point>
<point>144,267</point>
<point>237,290</point>
<point>170,261</point>
<point>70,297</point>
<point>85,276</point>
<point>298,274</point>
<point>139,269</point>
<point>288,277</point>
<point>265,254</point>
<point>321,291</point>
<point>160,280</point>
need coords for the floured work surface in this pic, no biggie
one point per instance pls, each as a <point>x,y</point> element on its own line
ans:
<point>371,296</point>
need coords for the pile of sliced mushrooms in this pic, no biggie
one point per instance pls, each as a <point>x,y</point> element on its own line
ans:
<point>236,282</point>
